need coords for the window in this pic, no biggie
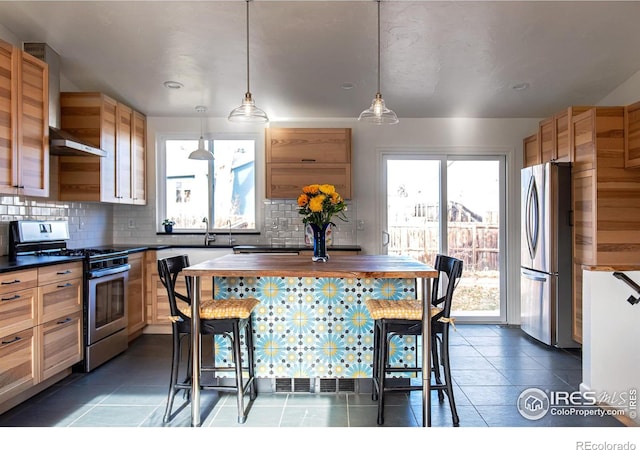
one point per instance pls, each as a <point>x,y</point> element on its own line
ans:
<point>223,190</point>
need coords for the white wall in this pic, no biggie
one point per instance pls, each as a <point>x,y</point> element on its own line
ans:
<point>466,136</point>
<point>8,36</point>
<point>625,94</point>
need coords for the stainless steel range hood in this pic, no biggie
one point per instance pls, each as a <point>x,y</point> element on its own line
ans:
<point>60,141</point>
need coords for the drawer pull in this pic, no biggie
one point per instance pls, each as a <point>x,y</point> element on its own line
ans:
<point>15,339</point>
<point>65,285</point>
<point>68,319</point>
<point>63,273</point>
<point>10,282</point>
<point>15,297</point>
<point>308,160</point>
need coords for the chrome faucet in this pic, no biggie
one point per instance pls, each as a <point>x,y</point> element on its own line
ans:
<point>231,239</point>
<point>208,237</point>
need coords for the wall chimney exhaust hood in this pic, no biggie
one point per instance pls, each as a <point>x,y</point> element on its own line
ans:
<point>60,141</point>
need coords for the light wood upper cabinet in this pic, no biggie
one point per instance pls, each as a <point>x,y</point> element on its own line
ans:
<point>24,123</point>
<point>547,133</point>
<point>554,139</point>
<point>296,157</point>
<point>116,129</point>
<point>124,133</point>
<point>563,136</point>
<point>531,151</point>
<point>139,159</point>
<point>632,135</point>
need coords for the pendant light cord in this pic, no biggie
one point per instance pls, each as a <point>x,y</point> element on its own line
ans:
<point>248,90</point>
<point>379,45</point>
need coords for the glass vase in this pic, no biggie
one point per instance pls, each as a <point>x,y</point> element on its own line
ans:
<point>319,242</point>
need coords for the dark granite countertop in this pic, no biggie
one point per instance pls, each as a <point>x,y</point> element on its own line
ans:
<point>29,262</point>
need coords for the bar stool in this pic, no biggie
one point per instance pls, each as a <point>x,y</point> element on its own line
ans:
<point>404,318</point>
<point>228,317</point>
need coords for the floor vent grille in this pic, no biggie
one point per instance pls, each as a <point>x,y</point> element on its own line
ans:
<point>302,385</point>
<point>291,385</point>
<point>314,385</point>
<point>333,385</point>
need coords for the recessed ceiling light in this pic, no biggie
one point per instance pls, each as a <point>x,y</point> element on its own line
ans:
<point>173,84</point>
<point>520,86</point>
<point>347,86</point>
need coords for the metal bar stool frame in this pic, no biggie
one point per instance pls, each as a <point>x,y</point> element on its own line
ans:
<point>386,328</point>
<point>231,328</point>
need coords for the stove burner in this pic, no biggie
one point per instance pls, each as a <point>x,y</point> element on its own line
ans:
<point>83,252</point>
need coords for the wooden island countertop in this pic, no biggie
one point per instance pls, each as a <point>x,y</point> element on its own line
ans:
<point>339,266</point>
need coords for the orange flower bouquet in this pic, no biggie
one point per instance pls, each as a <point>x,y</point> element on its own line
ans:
<point>319,203</point>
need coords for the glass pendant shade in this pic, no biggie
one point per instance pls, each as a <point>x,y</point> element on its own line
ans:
<point>248,112</point>
<point>378,113</point>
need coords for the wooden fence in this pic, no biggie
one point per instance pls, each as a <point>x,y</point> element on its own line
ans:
<point>475,243</point>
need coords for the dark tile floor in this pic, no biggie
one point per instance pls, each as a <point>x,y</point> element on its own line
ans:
<point>492,365</point>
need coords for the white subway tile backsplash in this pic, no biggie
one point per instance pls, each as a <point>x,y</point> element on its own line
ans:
<point>97,218</point>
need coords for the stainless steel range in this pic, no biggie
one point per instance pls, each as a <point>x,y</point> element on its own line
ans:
<point>105,285</point>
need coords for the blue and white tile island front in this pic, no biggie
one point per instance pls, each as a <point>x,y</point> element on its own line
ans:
<point>307,327</point>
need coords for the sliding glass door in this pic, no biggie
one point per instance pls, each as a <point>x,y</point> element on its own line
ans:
<point>470,227</point>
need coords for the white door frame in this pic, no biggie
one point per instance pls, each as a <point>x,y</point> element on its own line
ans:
<point>457,154</point>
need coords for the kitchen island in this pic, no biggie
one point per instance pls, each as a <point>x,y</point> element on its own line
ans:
<point>312,320</point>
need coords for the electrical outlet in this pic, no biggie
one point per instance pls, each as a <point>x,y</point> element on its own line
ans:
<point>360,225</point>
<point>132,223</point>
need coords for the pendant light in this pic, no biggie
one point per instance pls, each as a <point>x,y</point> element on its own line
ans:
<point>201,153</point>
<point>378,113</point>
<point>248,112</point>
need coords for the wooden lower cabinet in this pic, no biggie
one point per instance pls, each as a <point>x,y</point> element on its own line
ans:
<point>18,363</point>
<point>136,306</point>
<point>61,344</point>
<point>159,308</point>
<point>59,298</point>
<point>41,324</point>
<point>18,310</point>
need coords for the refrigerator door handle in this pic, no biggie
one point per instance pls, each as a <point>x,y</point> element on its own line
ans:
<point>534,277</point>
<point>532,218</point>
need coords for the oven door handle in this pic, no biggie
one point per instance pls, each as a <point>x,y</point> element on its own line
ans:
<point>104,272</point>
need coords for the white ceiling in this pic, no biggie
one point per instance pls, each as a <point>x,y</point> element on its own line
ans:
<point>439,58</point>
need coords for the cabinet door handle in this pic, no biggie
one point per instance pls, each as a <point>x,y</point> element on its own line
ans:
<point>10,282</point>
<point>15,339</point>
<point>65,285</point>
<point>15,297</point>
<point>68,319</point>
<point>63,273</point>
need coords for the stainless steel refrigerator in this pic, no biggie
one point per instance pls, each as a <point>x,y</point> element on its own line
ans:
<point>546,254</point>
